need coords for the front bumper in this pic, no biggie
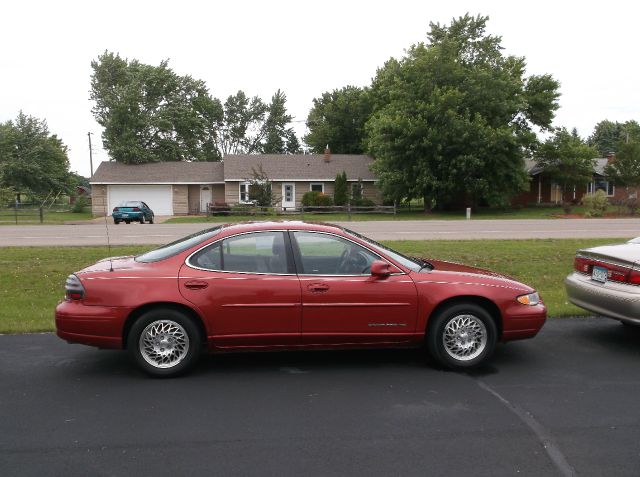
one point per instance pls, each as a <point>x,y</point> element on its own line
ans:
<point>99,326</point>
<point>613,300</point>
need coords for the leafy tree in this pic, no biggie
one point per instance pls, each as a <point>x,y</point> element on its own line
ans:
<point>240,130</point>
<point>608,136</point>
<point>260,188</point>
<point>340,191</point>
<point>454,118</point>
<point>624,170</point>
<point>32,160</point>
<point>151,114</point>
<point>338,119</point>
<point>567,159</point>
<point>278,138</point>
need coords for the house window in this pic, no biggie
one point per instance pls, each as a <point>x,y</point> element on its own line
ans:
<point>317,187</point>
<point>244,192</point>
<point>356,190</point>
<point>601,184</point>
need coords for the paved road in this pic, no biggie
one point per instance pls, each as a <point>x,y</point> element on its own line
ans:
<point>96,233</point>
<point>564,403</point>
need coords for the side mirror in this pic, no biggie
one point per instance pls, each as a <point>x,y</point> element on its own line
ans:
<point>380,269</point>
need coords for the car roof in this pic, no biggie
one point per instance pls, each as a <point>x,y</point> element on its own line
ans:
<point>242,227</point>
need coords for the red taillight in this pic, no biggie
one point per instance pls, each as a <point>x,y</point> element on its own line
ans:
<point>581,265</point>
<point>136,209</point>
<point>615,273</point>
<point>634,277</point>
<point>116,209</point>
<point>73,288</point>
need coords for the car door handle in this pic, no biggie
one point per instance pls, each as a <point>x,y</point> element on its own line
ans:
<point>318,287</point>
<point>196,285</point>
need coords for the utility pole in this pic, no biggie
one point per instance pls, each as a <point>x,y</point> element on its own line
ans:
<point>90,153</point>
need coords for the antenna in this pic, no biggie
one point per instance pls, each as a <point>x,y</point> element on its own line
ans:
<point>106,227</point>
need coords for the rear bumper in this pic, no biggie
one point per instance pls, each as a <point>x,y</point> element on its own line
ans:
<point>99,326</point>
<point>129,215</point>
<point>613,300</point>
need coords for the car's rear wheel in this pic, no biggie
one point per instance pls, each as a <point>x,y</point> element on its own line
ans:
<point>142,219</point>
<point>462,336</point>
<point>116,221</point>
<point>164,342</point>
<point>127,221</point>
<point>151,220</point>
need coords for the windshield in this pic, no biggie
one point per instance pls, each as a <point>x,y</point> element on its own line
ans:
<point>408,262</point>
<point>178,246</point>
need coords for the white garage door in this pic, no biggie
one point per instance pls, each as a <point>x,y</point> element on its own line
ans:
<point>158,197</point>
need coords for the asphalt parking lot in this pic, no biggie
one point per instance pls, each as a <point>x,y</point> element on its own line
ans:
<point>564,403</point>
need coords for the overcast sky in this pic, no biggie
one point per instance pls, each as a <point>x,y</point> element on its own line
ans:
<point>304,48</point>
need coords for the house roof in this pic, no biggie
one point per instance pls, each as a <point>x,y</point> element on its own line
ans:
<point>304,167</point>
<point>532,167</point>
<point>159,173</point>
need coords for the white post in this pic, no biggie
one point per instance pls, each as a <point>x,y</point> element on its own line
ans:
<point>468,213</point>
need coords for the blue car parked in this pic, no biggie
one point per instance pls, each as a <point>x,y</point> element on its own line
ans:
<point>132,210</point>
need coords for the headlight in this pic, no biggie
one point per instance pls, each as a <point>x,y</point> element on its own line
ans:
<point>530,299</point>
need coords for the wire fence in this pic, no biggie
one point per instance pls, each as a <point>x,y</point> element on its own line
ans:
<point>256,210</point>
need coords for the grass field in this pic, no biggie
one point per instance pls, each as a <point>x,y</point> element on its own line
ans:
<point>403,214</point>
<point>32,278</point>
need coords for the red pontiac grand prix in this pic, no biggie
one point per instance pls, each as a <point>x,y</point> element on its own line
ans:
<point>275,285</point>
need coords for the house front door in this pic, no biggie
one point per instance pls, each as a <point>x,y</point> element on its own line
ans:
<point>205,197</point>
<point>288,195</point>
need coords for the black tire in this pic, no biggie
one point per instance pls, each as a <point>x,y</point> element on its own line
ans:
<point>455,323</point>
<point>142,219</point>
<point>127,221</point>
<point>173,343</point>
<point>116,221</point>
<point>151,220</point>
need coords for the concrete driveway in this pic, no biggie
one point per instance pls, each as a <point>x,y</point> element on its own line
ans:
<point>96,233</point>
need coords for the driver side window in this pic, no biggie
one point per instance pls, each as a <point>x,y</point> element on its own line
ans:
<point>322,254</point>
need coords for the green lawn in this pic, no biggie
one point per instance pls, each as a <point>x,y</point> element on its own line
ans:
<point>403,214</point>
<point>32,278</point>
<point>50,217</point>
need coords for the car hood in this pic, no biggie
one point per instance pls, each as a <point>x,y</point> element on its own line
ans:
<point>111,263</point>
<point>626,253</point>
<point>443,266</point>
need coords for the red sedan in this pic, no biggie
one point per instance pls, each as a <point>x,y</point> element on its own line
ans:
<point>275,285</point>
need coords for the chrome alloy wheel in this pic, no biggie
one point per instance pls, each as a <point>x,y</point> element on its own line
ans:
<point>163,344</point>
<point>464,337</point>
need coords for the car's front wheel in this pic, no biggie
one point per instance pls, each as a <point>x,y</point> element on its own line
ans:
<point>164,342</point>
<point>462,336</point>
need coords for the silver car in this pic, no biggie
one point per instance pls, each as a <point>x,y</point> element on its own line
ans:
<point>606,281</point>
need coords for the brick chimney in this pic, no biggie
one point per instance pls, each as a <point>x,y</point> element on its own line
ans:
<point>327,154</point>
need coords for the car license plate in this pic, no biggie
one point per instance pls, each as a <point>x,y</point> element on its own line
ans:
<point>599,274</point>
<point>125,215</point>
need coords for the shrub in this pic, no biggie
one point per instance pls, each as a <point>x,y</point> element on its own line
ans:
<point>316,199</point>
<point>340,189</point>
<point>79,205</point>
<point>362,202</point>
<point>595,204</point>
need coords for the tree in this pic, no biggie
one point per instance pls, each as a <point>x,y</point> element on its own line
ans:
<point>240,130</point>
<point>624,170</point>
<point>608,136</point>
<point>567,159</point>
<point>32,160</point>
<point>454,118</point>
<point>151,114</point>
<point>340,191</point>
<point>260,188</point>
<point>338,119</point>
<point>278,138</point>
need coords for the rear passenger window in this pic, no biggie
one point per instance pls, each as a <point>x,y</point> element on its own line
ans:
<point>259,252</point>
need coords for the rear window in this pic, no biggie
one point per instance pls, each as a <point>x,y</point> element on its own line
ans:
<point>178,246</point>
<point>130,203</point>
